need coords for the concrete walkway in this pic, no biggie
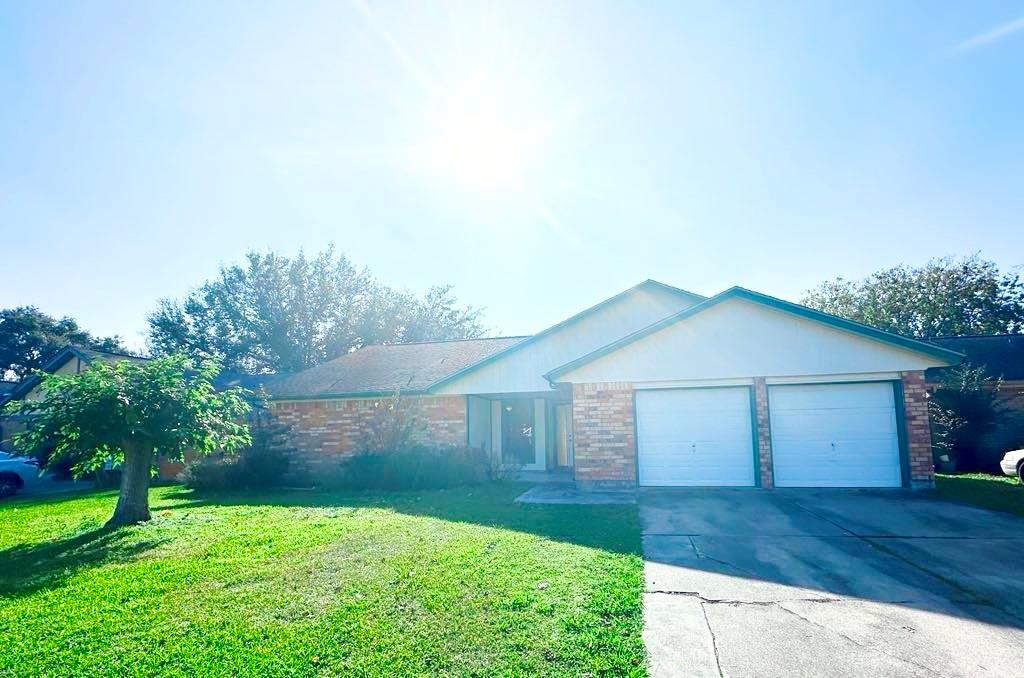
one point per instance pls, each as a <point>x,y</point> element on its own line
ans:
<point>566,493</point>
<point>830,583</point>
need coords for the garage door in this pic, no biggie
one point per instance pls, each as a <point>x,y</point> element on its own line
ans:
<point>697,436</point>
<point>836,435</point>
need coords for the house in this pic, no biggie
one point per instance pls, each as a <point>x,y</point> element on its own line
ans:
<point>1002,356</point>
<point>68,360</point>
<point>656,386</point>
<point>73,359</point>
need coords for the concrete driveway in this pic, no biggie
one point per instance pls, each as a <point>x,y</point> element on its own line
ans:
<point>837,583</point>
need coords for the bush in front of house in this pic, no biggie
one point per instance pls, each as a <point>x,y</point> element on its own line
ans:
<point>414,467</point>
<point>964,410</point>
<point>261,465</point>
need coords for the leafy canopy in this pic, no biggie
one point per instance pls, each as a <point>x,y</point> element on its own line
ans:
<point>166,406</point>
<point>281,314</point>
<point>29,337</point>
<point>945,297</point>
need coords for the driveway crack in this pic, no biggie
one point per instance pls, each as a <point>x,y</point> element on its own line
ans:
<point>714,641</point>
<point>756,603</point>
<point>701,554</point>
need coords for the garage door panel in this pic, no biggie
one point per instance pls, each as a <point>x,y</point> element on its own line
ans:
<point>694,437</point>
<point>835,435</point>
<point>832,422</point>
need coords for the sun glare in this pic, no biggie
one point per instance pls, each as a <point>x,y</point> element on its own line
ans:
<point>481,149</point>
<point>478,140</point>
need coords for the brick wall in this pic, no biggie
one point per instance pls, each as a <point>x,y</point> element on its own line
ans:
<point>919,436</point>
<point>323,432</point>
<point>604,435</point>
<point>764,433</point>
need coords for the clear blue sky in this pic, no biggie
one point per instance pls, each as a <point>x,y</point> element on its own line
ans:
<point>539,156</point>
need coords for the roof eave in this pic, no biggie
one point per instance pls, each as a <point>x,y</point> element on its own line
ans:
<point>348,394</point>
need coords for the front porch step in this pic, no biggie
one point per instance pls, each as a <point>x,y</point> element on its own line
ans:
<point>562,475</point>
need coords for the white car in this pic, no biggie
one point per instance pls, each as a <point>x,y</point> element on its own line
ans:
<point>1013,464</point>
<point>18,473</point>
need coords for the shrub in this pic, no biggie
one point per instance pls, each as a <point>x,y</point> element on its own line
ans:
<point>391,426</point>
<point>209,473</point>
<point>261,465</point>
<point>416,467</point>
<point>964,409</point>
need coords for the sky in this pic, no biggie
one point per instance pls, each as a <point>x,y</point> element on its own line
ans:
<point>539,156</point>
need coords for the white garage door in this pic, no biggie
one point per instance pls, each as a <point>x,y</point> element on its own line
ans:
<point>697,436</point>
<point>836,435</point>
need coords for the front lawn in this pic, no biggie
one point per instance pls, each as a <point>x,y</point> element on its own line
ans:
<point>1000,493</point>
<point>457,582</point>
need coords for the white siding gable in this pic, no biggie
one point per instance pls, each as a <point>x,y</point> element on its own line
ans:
<point>521,370</point>
<point>737,339</point>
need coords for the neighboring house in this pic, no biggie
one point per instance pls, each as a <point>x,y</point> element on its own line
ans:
<point>74,359</point>
<point>6,387</point>
<point>655,386</point>
<point>68,360</point>
<point>1002,355</point>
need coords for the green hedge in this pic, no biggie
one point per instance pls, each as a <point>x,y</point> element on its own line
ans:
<point>417,467</point>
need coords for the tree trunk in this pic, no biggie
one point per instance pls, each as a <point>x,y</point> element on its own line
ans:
<point>133,502</point>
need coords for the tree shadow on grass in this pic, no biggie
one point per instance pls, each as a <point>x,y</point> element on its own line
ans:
<point>27,568</point>
<point>613,528</point>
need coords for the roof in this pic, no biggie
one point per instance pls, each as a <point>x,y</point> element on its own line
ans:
<point>562,325</point>
<point>86,355</point>
<point>224,380</point>
<point>1001,354</point>
<point>779,304</point>
<point>383,368</point>
<point>90,354</point>
<point>252,382</point>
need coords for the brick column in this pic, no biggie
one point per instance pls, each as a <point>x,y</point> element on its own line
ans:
<point>604,435</point>
<point>764,433</point>
<point>919,434</point>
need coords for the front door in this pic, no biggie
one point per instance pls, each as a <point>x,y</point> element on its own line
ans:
<point>517,432</point>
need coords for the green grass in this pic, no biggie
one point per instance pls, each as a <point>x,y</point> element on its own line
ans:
<point>1000,493</point>
<point>457,582</point>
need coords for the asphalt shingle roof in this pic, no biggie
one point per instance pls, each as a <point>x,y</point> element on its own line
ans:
<point>1001,354</point>
<point>382,368</point>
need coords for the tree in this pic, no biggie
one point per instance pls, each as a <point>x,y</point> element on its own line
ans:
<point>945,297</point>
<point>281,314</point>
<point>963,409</point>
<point>29,337</point>
<point>126,413</point>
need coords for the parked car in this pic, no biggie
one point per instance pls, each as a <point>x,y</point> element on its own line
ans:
<point>1013,464</point>
<point>17,473</point>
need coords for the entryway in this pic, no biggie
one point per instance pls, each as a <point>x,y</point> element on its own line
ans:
<point>526,433</point>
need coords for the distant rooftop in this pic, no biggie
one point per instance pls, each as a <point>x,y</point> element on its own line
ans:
<point>1001,354</point>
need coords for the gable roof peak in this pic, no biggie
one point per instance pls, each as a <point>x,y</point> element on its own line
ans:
<point>782,305</point>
